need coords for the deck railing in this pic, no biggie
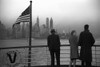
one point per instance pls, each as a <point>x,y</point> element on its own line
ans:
<point>41,56</point>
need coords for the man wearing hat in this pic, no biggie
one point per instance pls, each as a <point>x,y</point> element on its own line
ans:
<point>53,42</point>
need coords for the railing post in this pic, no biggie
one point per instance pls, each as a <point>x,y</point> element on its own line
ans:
<point>47,56</point>
<point>95,56</point>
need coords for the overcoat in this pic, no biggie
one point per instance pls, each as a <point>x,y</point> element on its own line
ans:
<point>86,41</point>
<point>73,47</point>
<point>53,42</point>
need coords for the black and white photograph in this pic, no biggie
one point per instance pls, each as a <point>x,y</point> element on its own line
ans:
<point>49,33</point>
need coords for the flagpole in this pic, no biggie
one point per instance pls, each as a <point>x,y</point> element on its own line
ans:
<point>30,35</point>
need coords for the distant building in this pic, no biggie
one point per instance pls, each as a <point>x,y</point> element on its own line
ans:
<point>43,31</point>
<point>23,30</point>
<point>51,23</point>
<point>27,30</point>
<point>45,28</point>
<point>36,29</point>
<point>2,31</point>
<point>47,25</point>
<point>47,22</point>
<point>37,22</point>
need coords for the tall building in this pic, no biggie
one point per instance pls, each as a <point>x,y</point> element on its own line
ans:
<point>47,22</point>
<point>47,25</point>
<point>37,24</point>
<point>2,31</point>
<point>36,29</point>
<point>51,23</point>
<point>37,21</point>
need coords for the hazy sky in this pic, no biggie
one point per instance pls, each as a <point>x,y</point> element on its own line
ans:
<point>65,13</point>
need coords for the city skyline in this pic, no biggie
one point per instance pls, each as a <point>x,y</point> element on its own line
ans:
<point>59,10</point>
<point>67,14</point>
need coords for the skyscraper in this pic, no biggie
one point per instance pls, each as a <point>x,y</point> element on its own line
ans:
<point>51,23</point>
<point>47,23</point>
<point>37,21</point>
<point>36,29</point>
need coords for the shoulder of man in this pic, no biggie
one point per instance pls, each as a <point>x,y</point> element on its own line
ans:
<point>49,36</point>
<point>82,33</point>
<point>90,33</point>
<point>57,35</point>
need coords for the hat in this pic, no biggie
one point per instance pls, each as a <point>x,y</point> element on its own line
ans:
<point>53,31</point>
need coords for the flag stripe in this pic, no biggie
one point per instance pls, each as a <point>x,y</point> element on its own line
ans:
<point>24,17</point>
<point>28,15</point>
<point>23,20</point>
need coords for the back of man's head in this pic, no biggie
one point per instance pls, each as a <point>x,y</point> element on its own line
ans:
<point>86,27</point>
<point>53,31</point>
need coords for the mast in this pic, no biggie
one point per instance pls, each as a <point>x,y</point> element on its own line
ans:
<point>30,35</point>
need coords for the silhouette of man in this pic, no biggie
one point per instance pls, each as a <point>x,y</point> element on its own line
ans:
<point>86,41</point>
<point>53,42</point>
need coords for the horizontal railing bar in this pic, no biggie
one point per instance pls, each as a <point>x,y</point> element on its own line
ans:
<point>65,53</point>
<point>14,47</point>
<point>97,50</point>
<point>23,47</point>
<point>35,46</point>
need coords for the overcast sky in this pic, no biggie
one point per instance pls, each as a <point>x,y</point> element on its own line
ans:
<point>65,13</point>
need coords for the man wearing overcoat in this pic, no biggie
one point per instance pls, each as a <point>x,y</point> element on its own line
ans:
<point>86,41</point>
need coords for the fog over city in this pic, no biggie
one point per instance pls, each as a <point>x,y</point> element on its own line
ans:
<point>66,14</point>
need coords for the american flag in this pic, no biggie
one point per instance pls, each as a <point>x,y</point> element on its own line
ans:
<point>24,17</point>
